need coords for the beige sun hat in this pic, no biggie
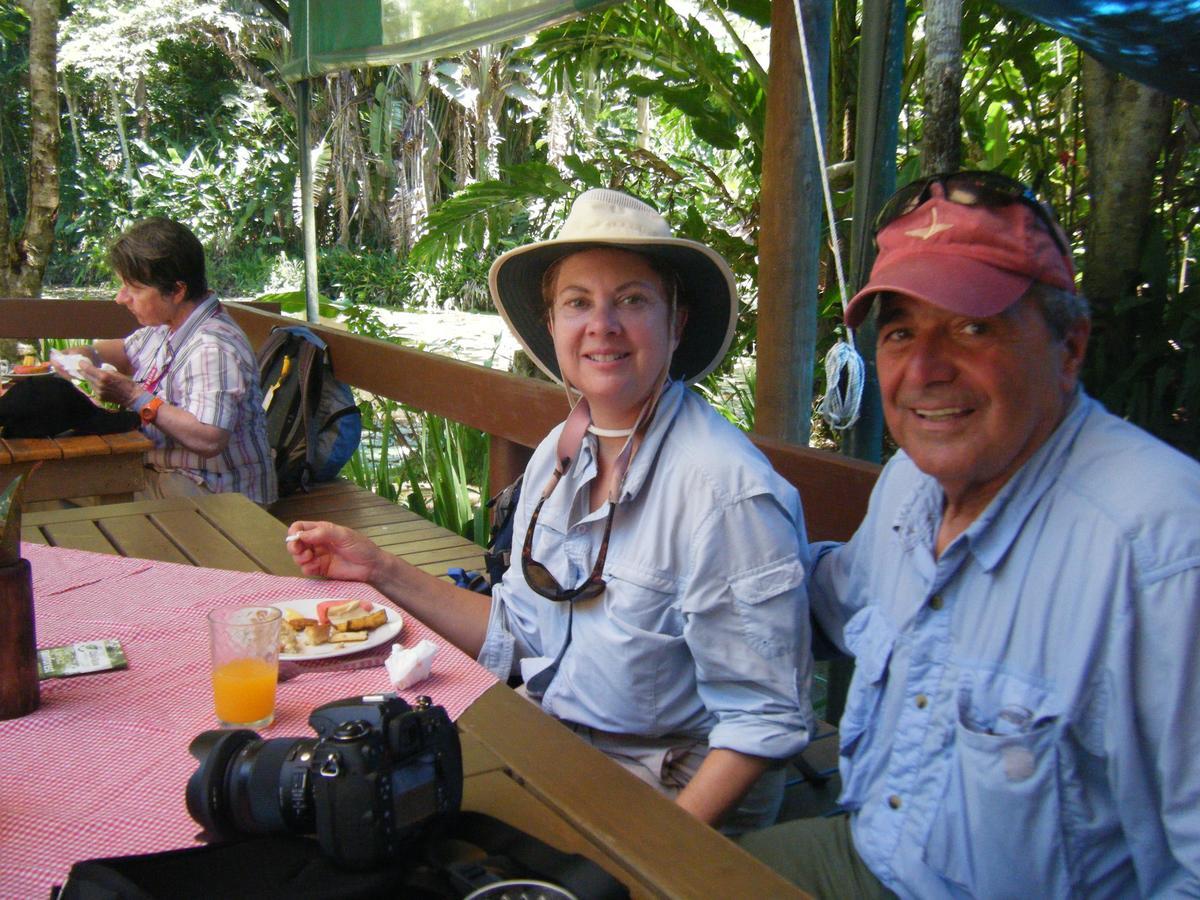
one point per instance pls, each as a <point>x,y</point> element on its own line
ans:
<point>605,218</point>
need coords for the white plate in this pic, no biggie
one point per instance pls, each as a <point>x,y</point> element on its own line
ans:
<point>308,609</point>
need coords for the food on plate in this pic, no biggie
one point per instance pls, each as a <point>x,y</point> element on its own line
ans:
<point>31,369</point>
<point>334,611</point>
<point>289,641</point>
<point>316,634</point>
<point>343,623</point>
<point>363,623</point>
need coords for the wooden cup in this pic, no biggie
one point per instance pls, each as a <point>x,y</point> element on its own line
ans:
<point>18,642</point>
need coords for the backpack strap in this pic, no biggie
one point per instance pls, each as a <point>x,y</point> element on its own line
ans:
<point>310,357</point>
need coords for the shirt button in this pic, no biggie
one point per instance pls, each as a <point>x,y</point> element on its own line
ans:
<point>922,701</point>
<point>935,602</point>
<point>894,801</point>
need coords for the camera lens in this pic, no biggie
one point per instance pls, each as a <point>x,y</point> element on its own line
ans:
<point>245,785</point>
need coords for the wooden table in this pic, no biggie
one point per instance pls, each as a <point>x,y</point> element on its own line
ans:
<point>111,466</point>
<point>520,765</point>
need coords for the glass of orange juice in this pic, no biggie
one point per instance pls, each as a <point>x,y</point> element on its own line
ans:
<point>245,664</point>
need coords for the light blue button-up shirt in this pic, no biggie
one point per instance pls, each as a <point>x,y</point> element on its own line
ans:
<point>702,629</point>
<point>1024,718</point>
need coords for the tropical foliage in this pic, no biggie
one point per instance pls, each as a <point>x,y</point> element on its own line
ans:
<point>426,171</point>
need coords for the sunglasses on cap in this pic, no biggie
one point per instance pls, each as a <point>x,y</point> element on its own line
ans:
<point>971,188</point>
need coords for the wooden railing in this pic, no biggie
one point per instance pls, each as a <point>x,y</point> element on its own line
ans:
<point>516,412</point>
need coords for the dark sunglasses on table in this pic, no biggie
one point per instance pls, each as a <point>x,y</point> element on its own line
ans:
<point>971,188</point>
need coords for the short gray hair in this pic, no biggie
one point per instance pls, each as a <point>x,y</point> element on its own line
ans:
<point>1061,309</point>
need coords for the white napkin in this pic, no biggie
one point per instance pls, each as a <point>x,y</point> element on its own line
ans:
<point>71,361</point>
<point>407,667</point>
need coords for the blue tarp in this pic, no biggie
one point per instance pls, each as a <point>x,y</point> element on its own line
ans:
<point>1156,42</point>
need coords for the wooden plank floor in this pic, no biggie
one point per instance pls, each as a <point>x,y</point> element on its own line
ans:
<point>396,528</point>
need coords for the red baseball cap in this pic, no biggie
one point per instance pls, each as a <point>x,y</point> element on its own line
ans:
<point>974,260</point>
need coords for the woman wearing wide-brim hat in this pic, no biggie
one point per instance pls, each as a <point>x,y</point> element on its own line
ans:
<point>659,607</point>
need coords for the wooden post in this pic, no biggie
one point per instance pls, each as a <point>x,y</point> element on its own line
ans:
<point>790,226</point>
<point>18,642</point>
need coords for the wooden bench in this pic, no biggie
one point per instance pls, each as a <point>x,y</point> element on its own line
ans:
<point>393,527</point>
<point>111,466</point>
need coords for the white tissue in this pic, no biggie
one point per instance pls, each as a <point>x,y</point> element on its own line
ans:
<point>407,667</point>
<point>70,362</point>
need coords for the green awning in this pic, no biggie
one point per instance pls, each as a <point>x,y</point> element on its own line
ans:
<point>328,35</point>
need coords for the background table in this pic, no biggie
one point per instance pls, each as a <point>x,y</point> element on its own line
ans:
<point>520,765</point>
<point>111,466</point>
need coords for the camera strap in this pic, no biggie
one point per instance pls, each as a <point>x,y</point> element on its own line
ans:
<point>474,851</point>
<point>529,857</point>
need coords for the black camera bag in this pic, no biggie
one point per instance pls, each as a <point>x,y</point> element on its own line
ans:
<point>476,850</point>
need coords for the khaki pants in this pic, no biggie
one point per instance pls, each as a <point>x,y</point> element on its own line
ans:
<point>169,483</point>
<point>817,855</point>
<point>668,764</point>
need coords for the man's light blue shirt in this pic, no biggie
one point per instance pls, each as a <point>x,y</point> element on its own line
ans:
<point>702,629</point>
<point>1024,718</point>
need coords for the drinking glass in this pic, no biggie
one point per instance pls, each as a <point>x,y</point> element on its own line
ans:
<point>245,664</point>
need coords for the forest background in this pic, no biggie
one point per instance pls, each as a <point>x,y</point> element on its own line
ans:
<point>425,172</point>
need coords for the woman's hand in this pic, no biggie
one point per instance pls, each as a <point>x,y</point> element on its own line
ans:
<point>112,387</point>
<point>322,548</point>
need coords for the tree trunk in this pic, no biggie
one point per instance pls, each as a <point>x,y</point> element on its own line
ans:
<point>1126,126</point>
<point>941,143</point>
<point>790,226</point>
<point>122,138</point>
<point>28,256</point>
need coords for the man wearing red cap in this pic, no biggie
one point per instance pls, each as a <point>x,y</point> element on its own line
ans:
<point>1022,599</point>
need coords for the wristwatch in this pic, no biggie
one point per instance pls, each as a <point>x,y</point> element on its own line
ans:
<point>149,412</point>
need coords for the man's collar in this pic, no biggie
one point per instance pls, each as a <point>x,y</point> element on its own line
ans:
<point>994,531</point>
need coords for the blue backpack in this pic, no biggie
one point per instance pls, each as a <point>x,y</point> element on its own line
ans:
<point>313,423</point>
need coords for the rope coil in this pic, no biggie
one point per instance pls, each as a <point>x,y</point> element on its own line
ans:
<point>844,368</point>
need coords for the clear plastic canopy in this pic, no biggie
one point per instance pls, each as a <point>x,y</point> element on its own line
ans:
<point>328,35</point>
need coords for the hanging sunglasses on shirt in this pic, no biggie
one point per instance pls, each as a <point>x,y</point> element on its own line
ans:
<point>971,188</point>
<point>537,576</point>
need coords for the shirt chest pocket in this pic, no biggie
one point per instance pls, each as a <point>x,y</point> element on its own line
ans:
<point>997,830</point>
<point>642,600</point>
<point>871,638</point>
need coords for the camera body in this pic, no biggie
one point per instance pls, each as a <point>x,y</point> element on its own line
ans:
<point>380,774</point>
<point>380,771</point>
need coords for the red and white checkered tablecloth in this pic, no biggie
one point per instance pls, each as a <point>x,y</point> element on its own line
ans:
<point>101,767</point>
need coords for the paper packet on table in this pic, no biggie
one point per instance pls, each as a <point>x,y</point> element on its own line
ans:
<point>407,667</point>
<point>81,658</point>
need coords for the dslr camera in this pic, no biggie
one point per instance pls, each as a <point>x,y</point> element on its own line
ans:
<point>380,774</point>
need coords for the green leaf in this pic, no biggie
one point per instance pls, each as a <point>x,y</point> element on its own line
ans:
<point>719,133</point>
<point>996,139</point>
<point>10,521</point>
